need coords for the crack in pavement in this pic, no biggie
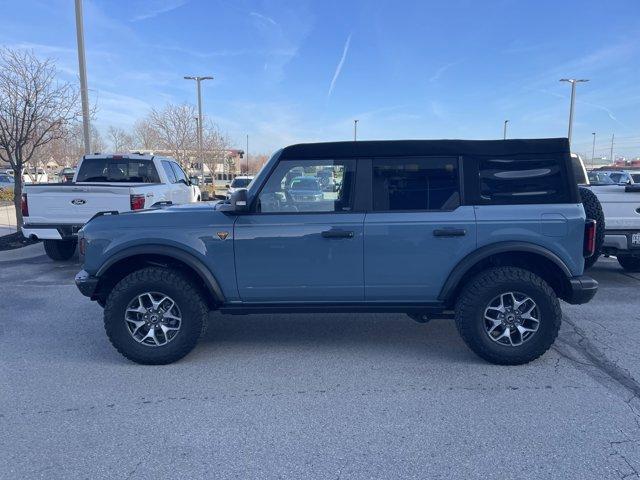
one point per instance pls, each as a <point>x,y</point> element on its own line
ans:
<point>576,347</point>
<point>335,390</point>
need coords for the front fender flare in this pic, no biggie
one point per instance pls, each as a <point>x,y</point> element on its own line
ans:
<point>173,252</point>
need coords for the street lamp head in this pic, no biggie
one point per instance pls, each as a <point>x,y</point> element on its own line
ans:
<point>574,80</point>
<point>189,78</point>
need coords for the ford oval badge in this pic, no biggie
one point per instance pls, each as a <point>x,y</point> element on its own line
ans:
<point>78,201</point>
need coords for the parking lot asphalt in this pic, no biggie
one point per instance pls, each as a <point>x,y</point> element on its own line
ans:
<point>313,396</point>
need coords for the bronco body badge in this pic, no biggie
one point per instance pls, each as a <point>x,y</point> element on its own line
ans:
<point>223,235</point>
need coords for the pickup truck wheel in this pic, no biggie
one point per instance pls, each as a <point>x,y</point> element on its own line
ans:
<point>155,316</point>
<point>629,263</point>
<point>60,249</point>
<point>593,211</point>
<point>508,315</point>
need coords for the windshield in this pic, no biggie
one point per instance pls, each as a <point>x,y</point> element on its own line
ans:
<point>125,170</point>
<point>599,178</point>
<point>241,182</point>
<point>305,183</point>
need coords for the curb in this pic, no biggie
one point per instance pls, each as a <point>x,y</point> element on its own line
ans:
<point>24,253</point>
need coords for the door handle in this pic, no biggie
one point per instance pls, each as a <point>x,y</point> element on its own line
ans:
<point>337,234</point>
<point>449,232</point>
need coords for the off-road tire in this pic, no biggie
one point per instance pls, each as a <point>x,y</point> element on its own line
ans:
<point>593,211</point>
<point>475,297</point>
<point>162,280</point>
<point>629,263</point>
<point>60,250</point>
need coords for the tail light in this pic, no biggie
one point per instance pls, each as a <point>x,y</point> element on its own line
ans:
<point>137,202</point>
<point>82,246</point>
<point>589,238</point>
<point>24,205</point>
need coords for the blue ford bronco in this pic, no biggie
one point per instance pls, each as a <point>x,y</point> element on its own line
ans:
<point>489,233</point>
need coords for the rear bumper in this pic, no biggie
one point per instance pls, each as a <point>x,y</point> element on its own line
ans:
<point>620,241</point>
<point>582,289</point>
<point>51,231</point>
<point>86,283</point>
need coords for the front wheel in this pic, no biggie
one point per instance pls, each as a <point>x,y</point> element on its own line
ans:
<point>629,263</point>
<point>155,316</point>
<point>59,250</point>
<point>508,315</point>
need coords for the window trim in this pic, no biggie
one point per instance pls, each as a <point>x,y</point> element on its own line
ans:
<point>254,201</point>
<point>460,182</point>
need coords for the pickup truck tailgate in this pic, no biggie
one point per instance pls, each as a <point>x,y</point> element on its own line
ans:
<point>621,208</point>
<point>74,204</point>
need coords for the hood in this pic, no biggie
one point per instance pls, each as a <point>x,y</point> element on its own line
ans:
<point>185,215</point>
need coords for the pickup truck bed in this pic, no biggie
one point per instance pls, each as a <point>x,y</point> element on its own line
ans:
<point>57,211</point>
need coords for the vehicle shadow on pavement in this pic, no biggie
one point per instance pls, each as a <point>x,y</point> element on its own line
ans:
<point>369,334</point>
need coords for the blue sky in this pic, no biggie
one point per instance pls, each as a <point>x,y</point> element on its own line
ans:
<point>292,71</point>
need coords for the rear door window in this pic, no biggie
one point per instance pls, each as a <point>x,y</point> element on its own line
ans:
<point>114,170</point>
<point>415,183</point>
<point>522,181</point>
<point>171,175</point>
<point>179,173</point>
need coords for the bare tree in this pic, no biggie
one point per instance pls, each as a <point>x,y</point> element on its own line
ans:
<point>145,135</point>
<point>215,149</point>
<point>176,129</point>
<point>35,109</point>
<point>120,140</point>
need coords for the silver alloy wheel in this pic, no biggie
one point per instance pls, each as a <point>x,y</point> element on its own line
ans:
<point>511,318</point>
<point>153,319</point>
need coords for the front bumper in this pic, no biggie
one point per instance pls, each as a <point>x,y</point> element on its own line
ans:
<point>582,289</point>
<point>87,284</point>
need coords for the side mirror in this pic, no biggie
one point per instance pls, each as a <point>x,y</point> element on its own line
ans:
<point>238,202</point>
<point>194,180</point>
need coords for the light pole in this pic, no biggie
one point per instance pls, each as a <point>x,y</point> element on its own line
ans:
<point>355,130</point>
<point>593,148</point>
<point>573,82</point>
<point>613,135</point>
<point>84,95</point>
<point>504,135</point>
<point>198,80</point>
<point>247,154</point>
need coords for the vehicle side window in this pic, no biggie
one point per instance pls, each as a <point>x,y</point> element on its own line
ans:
<point>171,175</point>
<point>615,177</point>
<point>522,181</point>
<point>179,173</point>
<point>309,186</point>
<point>415,183</point>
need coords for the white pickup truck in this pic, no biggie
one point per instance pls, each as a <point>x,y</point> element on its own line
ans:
<point>55,212</point>
<point>616,208</point>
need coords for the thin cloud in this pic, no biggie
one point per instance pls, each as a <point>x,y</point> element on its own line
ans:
<point>264,18</point>
<point>339,67</point>
<point>158,8</point>
<point>439,72</point>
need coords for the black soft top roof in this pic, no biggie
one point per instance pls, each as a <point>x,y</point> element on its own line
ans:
<point>392,148</point>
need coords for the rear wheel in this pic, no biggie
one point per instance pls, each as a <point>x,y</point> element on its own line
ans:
<point>155,316</point>
<point>60,249</point>
<point>508,315</point>
<point>629,263</point>
<point>593,211</point>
